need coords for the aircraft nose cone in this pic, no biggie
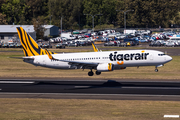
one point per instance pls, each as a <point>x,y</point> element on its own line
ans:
<point>169,58</point>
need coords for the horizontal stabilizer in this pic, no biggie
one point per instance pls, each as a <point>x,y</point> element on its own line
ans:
<point>27,58</point>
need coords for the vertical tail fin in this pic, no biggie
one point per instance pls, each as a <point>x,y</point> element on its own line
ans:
<point>30,47</point>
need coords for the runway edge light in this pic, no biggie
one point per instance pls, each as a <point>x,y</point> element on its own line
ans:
<point>171,116</point>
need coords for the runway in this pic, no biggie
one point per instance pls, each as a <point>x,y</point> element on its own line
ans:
<point>90,89</point>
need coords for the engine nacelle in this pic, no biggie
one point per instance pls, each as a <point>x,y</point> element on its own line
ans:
<point>105,67</point>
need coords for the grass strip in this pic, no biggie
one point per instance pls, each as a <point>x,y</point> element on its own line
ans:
<point>78,109</point>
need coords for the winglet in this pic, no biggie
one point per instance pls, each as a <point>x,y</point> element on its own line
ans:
<point>94,47</point>
<point>49,55</point>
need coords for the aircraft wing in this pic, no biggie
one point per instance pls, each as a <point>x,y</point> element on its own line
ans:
<point>73,63</point>
<point>81,64</point>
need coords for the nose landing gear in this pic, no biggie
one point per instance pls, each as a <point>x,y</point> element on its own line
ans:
<point>156,70</point>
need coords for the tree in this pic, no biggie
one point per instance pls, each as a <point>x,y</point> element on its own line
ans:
<point>147,13</point>
<point>68,9</point>
<point>38,27</point>
<point>2,19</point>
<point>36,8</point>
<point>151,13</point>
<point>12,9</point>
<point>92,7</point>
<point>108,11</point>
<point>119,14</point>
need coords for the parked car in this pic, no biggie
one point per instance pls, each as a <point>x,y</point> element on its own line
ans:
<point>110,43</point>
<point>112,35</point>
<point>156,44</point>
<point>170,44</point>
<point>5,45</point>
<point>87,35</point>
<point>120,37</point>
<point>46,45</point>
<point>100,39</point>
<point>132,43</point>
<point>122,44</point>
<point>18,45</point>
<point>59,45</point>
<point>143,40</point>
<point>82,43</point>
<point>73,44</point>
<point>65,43</point>
<point>11,45</point>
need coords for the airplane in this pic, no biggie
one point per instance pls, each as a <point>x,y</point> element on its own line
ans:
<point>101,61</point>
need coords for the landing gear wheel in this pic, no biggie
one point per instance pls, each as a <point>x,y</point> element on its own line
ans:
<point>156,70</point>
<point>90,73</point>
<point>98,73</point>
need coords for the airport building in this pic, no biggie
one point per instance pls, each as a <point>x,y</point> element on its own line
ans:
<point>8,33</point>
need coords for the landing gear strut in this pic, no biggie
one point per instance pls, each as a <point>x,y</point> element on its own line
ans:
<point>90,73</point>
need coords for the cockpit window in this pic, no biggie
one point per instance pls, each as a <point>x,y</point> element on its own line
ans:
<point>161,54</point>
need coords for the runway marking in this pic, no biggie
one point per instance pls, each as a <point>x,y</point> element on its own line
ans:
<point>82,86</point>
<point>152,87</point>
<point>17,82</point>
<point>171,116</point>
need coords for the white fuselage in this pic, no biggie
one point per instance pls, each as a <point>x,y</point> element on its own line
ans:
<point>120,59</point>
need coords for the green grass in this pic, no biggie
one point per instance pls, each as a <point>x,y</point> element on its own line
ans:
<point>78,109</point>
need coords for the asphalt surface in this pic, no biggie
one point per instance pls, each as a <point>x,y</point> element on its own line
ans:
<point>87,89</point>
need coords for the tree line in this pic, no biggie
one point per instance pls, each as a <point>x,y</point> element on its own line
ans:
<point>139,13</point>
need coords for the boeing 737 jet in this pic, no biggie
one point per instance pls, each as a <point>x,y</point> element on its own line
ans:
<point>100,61</point>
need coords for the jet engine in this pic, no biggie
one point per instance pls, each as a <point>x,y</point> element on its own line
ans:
<point>105,67</point>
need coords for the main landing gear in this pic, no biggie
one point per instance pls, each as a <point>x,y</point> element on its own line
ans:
<point>98,73</point>
<point>90,73</point>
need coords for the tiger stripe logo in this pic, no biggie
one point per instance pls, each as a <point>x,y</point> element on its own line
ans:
<point>30,47</point>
